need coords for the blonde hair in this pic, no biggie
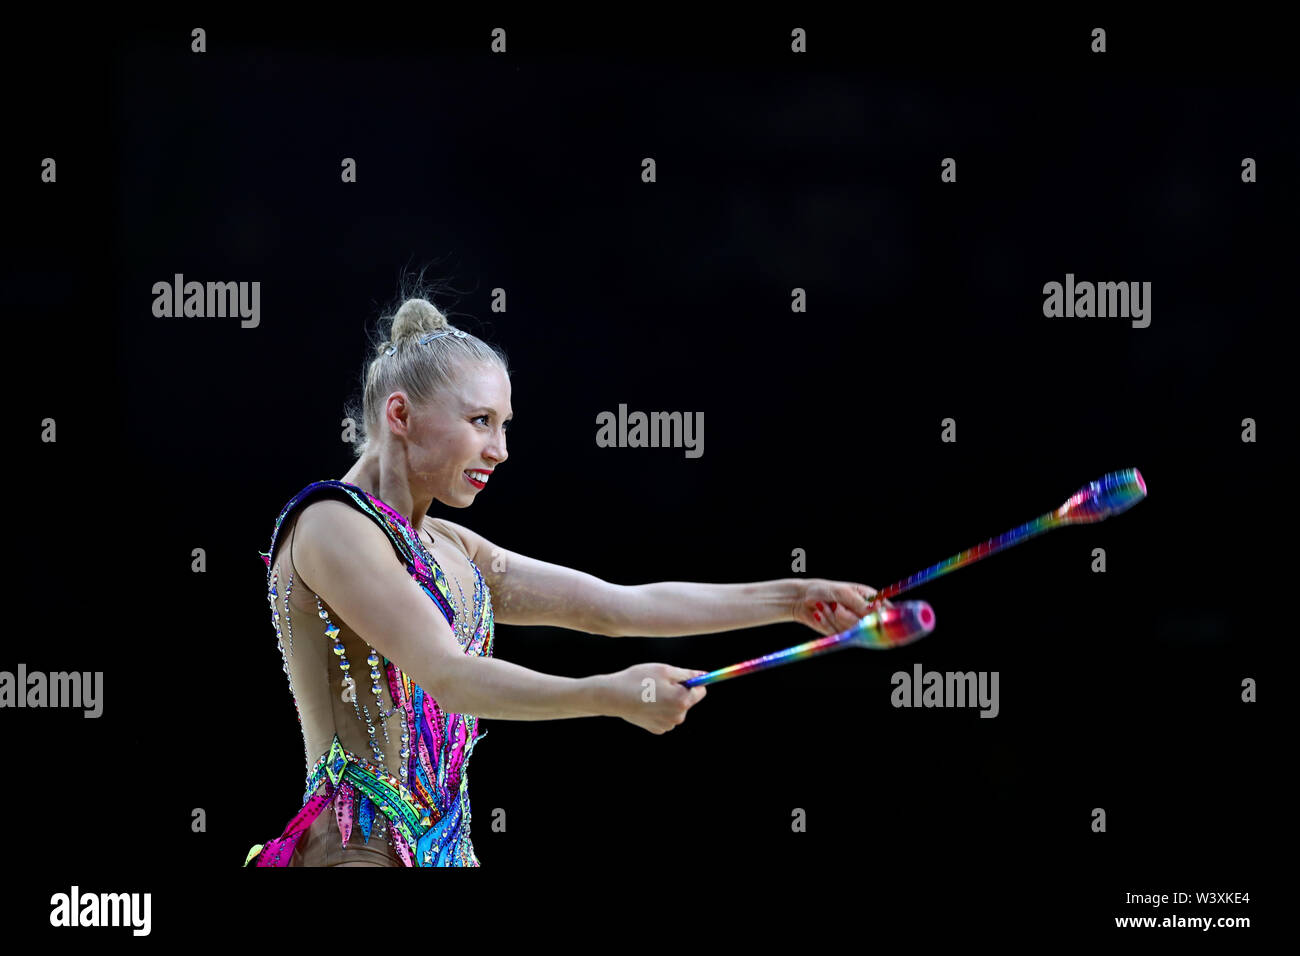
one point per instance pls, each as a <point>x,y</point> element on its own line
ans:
<point>419,370</point>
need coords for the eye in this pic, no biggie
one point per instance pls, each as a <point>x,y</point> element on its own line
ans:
<point>505,426</point>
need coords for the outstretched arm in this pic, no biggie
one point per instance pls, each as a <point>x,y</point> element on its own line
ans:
<point>677,608</point>
<point>527,591</point>
<point>530,592</point>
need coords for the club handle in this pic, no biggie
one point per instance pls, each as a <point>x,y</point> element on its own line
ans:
<point>880,629</point>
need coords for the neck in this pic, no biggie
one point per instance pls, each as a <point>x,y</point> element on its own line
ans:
<point>370,474</point>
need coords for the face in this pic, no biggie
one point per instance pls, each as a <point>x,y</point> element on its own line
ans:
<point>462,429</point>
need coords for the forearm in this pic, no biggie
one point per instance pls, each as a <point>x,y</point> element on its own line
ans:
<point>678,608</point>
<point>497,689</point>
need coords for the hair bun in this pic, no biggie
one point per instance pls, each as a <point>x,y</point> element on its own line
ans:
<point>415,317</point>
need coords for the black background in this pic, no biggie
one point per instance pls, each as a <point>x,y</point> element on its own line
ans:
<point>822,431</point>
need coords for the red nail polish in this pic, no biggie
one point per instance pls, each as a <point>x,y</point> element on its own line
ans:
<point>834,605</point>
<point>819,605</point>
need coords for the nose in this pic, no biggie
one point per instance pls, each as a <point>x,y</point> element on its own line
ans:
<point>495,451</point>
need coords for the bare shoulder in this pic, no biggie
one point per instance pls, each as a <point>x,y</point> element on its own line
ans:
<point>324,512</point>
<point>330,522</point>
<point>314,523</point>
<point>462,537</point>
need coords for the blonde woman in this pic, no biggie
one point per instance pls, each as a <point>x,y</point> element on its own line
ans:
<point>385,615</point>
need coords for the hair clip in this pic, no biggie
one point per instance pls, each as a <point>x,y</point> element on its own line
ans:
<point>426,339</point>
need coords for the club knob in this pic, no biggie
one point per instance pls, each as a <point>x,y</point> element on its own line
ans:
<point>895,626</point>
<point>1108,495</point>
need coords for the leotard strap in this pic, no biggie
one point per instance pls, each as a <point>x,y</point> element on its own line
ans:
<point>404,539</point>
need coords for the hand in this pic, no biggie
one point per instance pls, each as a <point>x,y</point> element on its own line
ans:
<point>629,690</point>
<point>829,607</point>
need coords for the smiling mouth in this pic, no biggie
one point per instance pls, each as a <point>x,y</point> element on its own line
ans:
<point>477,482</point>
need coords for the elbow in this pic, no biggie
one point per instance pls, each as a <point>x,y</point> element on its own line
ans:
<point>611,612</point>
<point>602,627</point>
<point>449,680</point>
<point>447,703</point>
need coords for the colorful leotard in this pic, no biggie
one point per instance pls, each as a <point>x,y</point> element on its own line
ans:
<point>425,804</point>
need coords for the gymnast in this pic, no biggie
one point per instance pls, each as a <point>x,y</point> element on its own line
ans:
<point>384,615</point>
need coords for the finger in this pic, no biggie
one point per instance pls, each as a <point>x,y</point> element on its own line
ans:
<point>842,615</point>
<point>851,600</point>
<point>862,597</point>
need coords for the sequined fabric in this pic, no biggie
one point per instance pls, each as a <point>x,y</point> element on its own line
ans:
<point>428,823</point>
